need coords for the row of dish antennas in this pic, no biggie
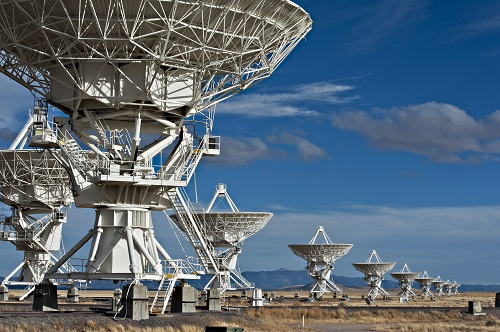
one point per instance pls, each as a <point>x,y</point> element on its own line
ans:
<point>321,258</point>
<point>374,269</point>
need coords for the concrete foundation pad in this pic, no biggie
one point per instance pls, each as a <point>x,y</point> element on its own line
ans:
<point>45,297</point>
<point>135,302</point>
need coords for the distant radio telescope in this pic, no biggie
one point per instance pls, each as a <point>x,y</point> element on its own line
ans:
<point>425,282</point>
<point>405,277</point>
<point>225,232</point>
<point>438,285</point>
<point>374,270</point>
<point>320,261</point>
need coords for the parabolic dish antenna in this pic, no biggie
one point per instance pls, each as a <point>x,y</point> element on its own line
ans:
<point>321,259</point>
<point>405,277</point>
<point>425,281</point>
<point>438,285</point>
<point>449,287</point>
<point>225,231</point>
<point>455,287</point>
<point>374,270</point>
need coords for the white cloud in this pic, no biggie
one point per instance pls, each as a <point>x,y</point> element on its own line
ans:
<point>286,104</point>
<point>442,132</point>
<point>244,150</point>
<point>306,150</point>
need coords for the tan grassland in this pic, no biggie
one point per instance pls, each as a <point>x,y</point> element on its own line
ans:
<point>285,313</point>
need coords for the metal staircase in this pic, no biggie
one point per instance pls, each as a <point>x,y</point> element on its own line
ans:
<point>164,292</point>
<point>182,207</point>
<point>78,157</point>
<point>173,270</point>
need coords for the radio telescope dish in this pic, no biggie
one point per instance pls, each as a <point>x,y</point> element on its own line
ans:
<point>226,231</point>
<point>320,261</point>
<point>36,187</point>
<point>449,288</point>
<point>129,75</point>
<point>438,285</point>
<point>405,277</point>
<point>425,282</point>
<point>374,270</point>
<point>454,289</point>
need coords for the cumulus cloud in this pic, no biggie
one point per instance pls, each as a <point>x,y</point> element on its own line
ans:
<point>306,150</point>
<point>286,103</point>
<point>386,19</point>
<point>244,150</point>
<point>442,132</point>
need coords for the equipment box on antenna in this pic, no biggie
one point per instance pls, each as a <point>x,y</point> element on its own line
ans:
<point>212,145</point>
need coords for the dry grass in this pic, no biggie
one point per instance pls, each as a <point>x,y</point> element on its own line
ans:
<point>290,319</point>
<point>91,326</point>
<point>491,325</point>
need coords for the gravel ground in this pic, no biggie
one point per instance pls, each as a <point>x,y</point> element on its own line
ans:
<point>78,321</point>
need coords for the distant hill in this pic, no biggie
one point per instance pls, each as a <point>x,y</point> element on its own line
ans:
<point>290,280</point>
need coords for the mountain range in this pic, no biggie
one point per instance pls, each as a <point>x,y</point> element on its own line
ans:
<point>294,280</point>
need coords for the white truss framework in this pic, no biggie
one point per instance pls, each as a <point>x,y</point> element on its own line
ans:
<point>220,46</point>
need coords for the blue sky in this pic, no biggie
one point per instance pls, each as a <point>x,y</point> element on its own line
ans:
<point>383,126</point>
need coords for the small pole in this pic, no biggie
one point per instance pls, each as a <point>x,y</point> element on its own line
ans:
<point>303,321</point>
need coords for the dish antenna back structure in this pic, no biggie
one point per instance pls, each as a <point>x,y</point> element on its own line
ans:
<point>374,270</point>
<point>454,289</point>
<point>36,187</point>
<point>405,277</point>
<point>320,261</point>
<point>225,232</point>
<point>451,288</point>
<point>425,281</point>
<point>438,285</point>
<point>129,75</point>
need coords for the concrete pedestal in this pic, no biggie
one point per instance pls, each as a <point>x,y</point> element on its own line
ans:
<point>257,297</point>
<point>135,302</point>
<point>73,294</point>
<point>184,299</point>
<point>45,297</point>
<point>4,293</point>
<point>213,301</point>
<point>203,296</point>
